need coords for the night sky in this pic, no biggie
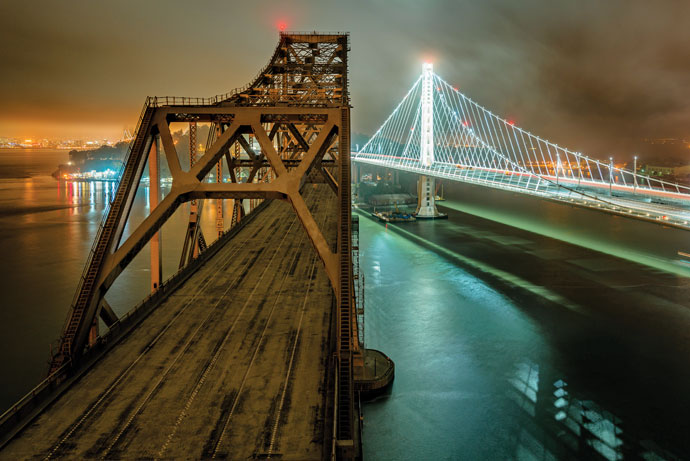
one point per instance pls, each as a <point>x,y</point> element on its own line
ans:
<point>596,76</point>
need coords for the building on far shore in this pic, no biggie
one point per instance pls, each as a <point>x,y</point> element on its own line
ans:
<point>392,199</point>
<point>665,170</point>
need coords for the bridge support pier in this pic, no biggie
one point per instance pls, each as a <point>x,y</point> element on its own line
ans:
<point>426,205</point>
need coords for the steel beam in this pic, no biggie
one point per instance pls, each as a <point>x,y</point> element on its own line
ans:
<point>154,197</point>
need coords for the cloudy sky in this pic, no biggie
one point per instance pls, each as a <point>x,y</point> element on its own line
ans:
<point>593,75</point>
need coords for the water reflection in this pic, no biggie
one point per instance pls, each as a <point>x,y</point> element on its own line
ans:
<point>580,425</point>
<point>46,231</point>
<point>526,381</point>
<point>96,194</point>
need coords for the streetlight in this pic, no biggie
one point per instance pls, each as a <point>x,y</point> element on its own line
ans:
<point>558,166</point>
<point>610,175</point>
<point>635,176</point>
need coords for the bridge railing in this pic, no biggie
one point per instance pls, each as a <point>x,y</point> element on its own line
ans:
<point>158,101</point>
<point>668,215</point>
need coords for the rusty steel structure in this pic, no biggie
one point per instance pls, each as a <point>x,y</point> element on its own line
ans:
<point>297,110</point>
<point>194,239</point>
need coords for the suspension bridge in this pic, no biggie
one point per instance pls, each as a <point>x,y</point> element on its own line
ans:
<point>438,132</point>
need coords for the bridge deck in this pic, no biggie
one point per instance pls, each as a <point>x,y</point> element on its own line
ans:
<point>231,365</point>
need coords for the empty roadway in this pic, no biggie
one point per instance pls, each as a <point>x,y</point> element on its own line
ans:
<point>232,365</point>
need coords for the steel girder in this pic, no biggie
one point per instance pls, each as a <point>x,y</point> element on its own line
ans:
<point>288,178</point>
<point>297,108</point>
<point>189,185</point>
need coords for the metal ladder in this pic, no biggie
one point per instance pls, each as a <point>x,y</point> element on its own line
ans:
<point>345,378</point>
<point>102,242</point>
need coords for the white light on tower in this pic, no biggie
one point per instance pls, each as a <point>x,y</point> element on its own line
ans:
<point>427,147</point>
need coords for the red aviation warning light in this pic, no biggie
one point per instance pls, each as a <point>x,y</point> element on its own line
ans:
<point>282,25</point>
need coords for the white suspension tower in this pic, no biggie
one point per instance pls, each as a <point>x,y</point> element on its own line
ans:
<point>426,185</point>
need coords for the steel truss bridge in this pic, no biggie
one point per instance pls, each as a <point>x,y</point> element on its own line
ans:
<point>269,142</point>
<point>437,131</point>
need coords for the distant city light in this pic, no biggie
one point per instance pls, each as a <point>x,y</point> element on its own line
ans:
<point>93,175</point>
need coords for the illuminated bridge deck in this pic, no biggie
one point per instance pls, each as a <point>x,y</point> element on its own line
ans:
<point>232,365</point>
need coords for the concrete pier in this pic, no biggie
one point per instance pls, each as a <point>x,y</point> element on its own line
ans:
<point>377,374</point>
<point>426,207</point>
<point>426,199</point>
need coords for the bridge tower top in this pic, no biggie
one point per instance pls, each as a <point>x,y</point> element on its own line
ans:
<point>427,135</point>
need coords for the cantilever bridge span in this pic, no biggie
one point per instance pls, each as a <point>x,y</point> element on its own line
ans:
<point>438,132</point>
<point>251,349</point>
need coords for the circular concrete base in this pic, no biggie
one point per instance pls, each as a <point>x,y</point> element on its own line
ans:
<point>378,373</point>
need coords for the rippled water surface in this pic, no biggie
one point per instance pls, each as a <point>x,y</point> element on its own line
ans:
<point>512,345</point>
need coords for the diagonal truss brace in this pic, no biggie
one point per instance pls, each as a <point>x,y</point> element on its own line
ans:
<point>189,185</point>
